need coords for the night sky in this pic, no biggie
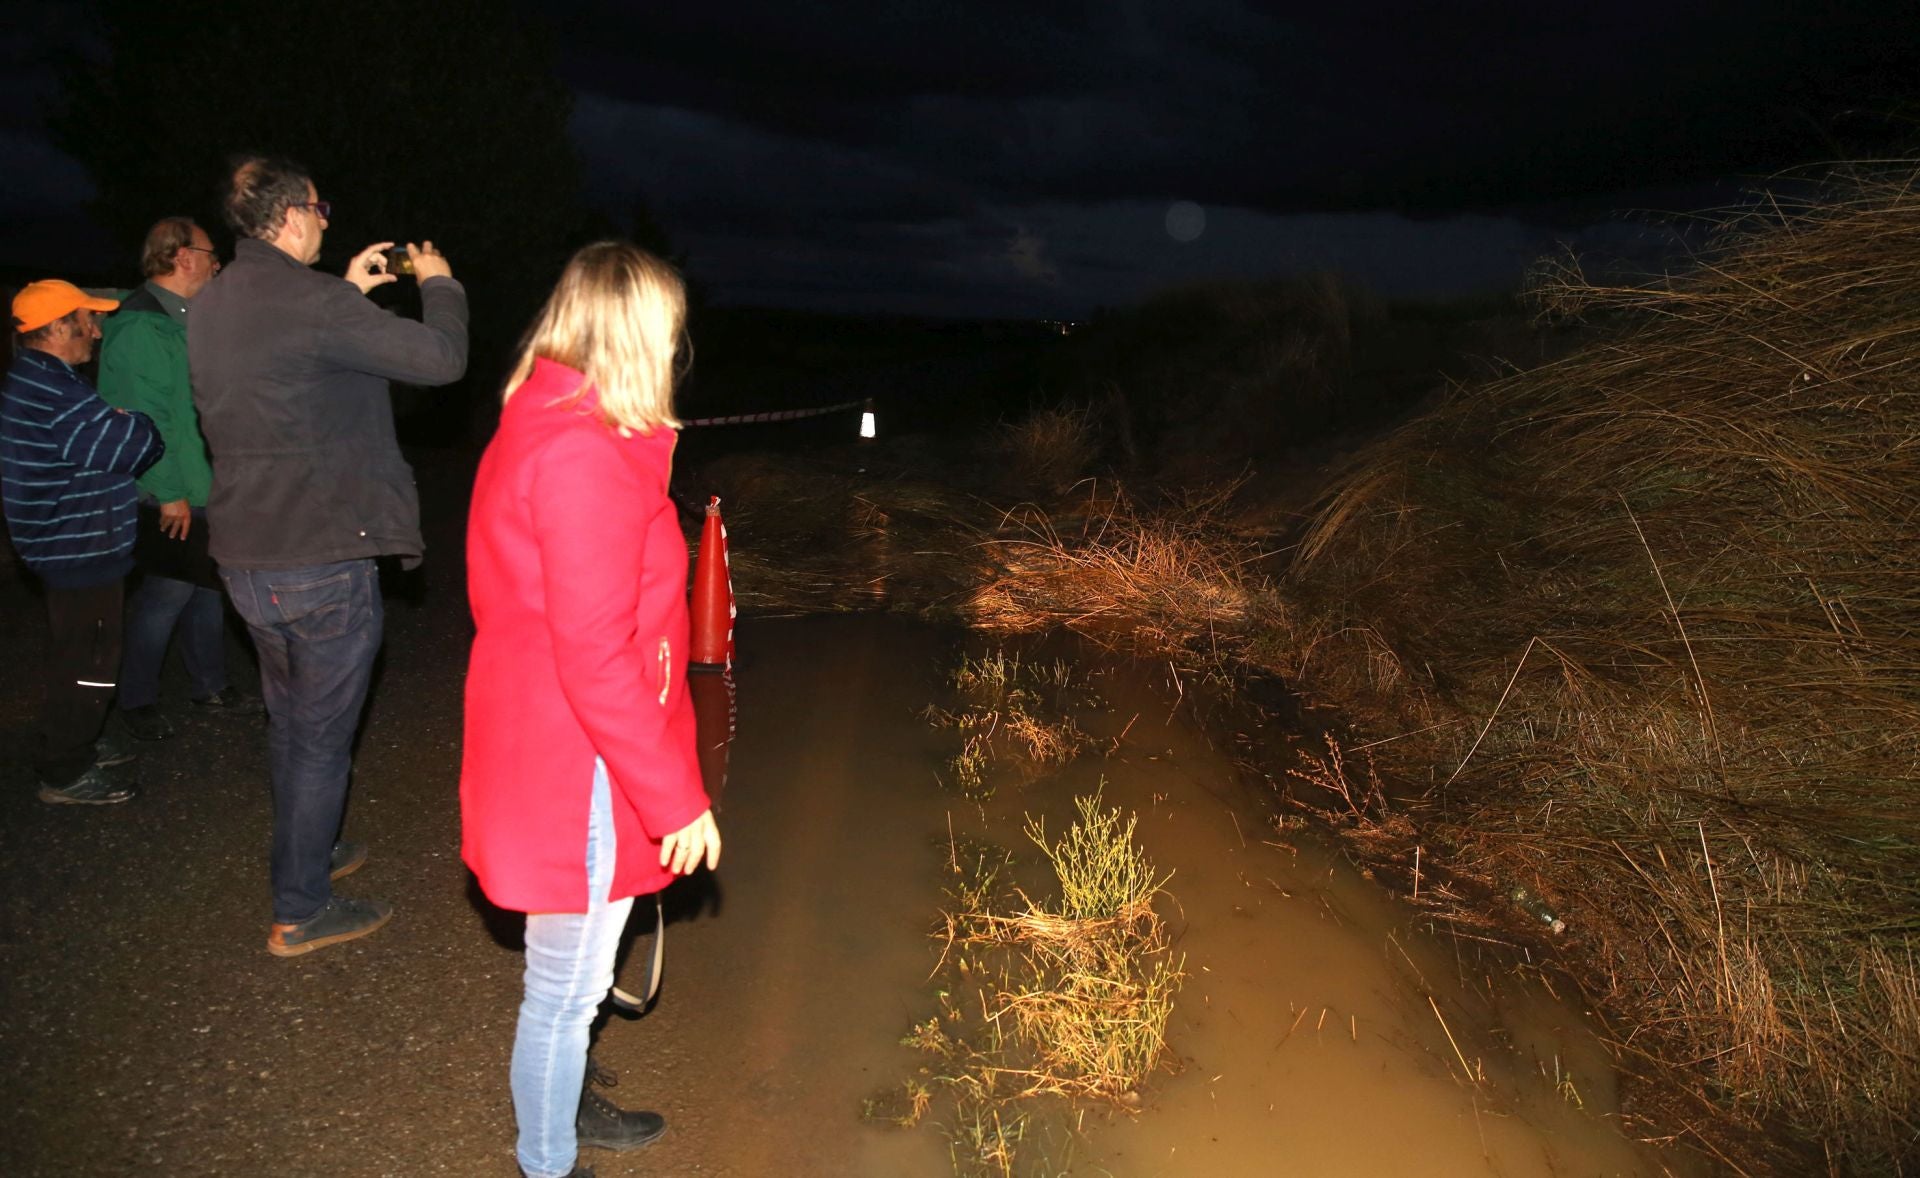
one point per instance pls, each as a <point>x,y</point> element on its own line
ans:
<point>1037,158</point>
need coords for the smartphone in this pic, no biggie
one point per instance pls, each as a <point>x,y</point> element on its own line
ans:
<point>399,261</point>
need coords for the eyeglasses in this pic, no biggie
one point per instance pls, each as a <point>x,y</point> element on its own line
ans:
<point>321,208</point>
<point>200,249</point>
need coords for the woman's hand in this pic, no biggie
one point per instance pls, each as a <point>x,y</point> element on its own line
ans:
<point>682,851</point>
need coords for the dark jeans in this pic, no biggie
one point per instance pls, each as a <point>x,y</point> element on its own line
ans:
<point>157,606</point>
<point>83,656</point>
<point>317,630</point>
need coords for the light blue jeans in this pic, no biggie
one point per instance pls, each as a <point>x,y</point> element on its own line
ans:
<point>569,971</point>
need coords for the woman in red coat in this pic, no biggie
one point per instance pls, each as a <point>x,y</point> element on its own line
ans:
<point>580,788</point>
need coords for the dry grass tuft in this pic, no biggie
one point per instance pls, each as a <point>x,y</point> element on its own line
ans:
<point>1049,450</point>
<point>1162,580</point>
<point>1176,578</point>
<point>1047,1000</point>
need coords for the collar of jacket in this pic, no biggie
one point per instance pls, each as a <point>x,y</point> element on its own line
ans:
<point>173,306</point>
<point>255,250</point>
<point>553,385</point>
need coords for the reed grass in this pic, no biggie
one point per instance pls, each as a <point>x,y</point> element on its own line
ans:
<point>1048,451</point>
<point>1103,874</point>
<point>1161,579</point>
<point>1043,1000</point>
<point>1010,712</point>
<point>1648,618</point>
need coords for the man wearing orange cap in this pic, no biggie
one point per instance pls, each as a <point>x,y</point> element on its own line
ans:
<point>67,464</point>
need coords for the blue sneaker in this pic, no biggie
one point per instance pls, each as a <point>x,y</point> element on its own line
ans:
<point>95,787</point>
<point>341,920</point>
<point>346,858</point>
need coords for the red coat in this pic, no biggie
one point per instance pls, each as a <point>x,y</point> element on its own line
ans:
<point>577,574</point>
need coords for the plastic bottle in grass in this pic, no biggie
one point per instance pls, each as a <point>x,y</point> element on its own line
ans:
<point>1537,908</point>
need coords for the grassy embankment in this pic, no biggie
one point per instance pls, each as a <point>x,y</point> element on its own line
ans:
<point>1647,619</point>
<point>1634,629</point>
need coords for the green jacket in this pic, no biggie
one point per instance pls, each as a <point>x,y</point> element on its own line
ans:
<point>143,365</point>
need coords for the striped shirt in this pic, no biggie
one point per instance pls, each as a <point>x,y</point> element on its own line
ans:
<point>67,464</point>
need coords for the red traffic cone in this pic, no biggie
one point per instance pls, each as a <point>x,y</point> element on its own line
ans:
<point>712,614</point>
<point>713,715</point>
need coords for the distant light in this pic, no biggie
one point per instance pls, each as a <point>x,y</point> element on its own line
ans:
<point>1186,221</point>
<point>866,423</point>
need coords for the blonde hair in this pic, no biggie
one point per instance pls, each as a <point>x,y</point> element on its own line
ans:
<point>616,317</point>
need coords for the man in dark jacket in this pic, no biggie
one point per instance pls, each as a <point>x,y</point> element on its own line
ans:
<point>143,366</point>
<point>67,464</point>
<point>290,369</point>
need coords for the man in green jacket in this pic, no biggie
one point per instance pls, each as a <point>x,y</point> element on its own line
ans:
<point>143,366</point>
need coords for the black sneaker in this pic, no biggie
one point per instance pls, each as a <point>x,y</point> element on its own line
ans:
<point>95,787</point>
<point>231,701</point>
<point>341,920</point>
<point>147,723</point>
<point>346,859</point>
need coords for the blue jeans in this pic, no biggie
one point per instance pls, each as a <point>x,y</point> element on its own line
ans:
<point>317,630</point>
<point>569,971</point>
<point>154,610</point>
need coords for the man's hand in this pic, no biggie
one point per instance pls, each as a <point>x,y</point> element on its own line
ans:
<point>428,262</point>
<point>369,267</point>
<point>175,518</point>
<point>682,851</point>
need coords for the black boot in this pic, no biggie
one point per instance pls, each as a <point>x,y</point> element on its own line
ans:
<point>601,1124</point>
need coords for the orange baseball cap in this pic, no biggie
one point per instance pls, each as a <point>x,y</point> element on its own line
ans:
<point>40,303</point>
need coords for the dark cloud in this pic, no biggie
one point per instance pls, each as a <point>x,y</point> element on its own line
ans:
<point>1423,109</point>
<point>1022,157</point>
<point>989,156</point>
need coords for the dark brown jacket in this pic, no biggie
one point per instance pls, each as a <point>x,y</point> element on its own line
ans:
<point>290,369</point>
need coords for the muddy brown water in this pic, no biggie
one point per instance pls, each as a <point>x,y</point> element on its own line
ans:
<point>145,1031</point>
<point>1319,1033</point>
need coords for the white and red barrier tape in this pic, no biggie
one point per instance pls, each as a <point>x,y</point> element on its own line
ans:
<point>773,415</point>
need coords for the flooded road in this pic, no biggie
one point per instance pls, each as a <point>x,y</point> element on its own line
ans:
<point>1318,1033</point>
<point>145,1031</point>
